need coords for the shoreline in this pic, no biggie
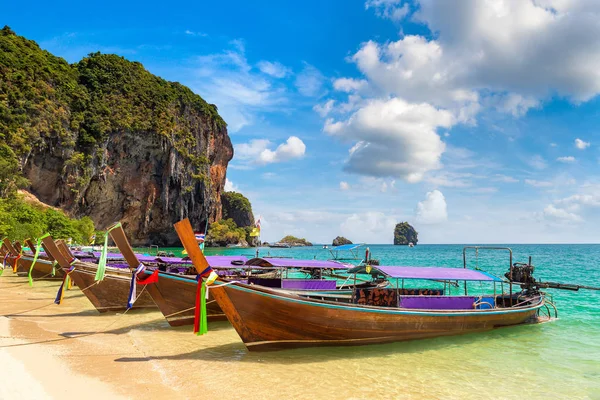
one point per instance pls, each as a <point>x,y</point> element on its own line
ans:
<point>47,362</point>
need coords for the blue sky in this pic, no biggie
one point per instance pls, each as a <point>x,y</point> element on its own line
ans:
<point>475,121</point>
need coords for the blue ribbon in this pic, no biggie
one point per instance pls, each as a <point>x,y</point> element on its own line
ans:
<point>132,287</point>
<point>59,295</point>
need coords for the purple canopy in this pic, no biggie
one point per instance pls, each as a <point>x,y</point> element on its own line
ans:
<point>290,262</point>
<point>226,261</point>
<point>430,273</point>
<point>171,260</point>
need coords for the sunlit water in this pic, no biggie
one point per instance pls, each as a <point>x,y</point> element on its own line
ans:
<point>560,359</point>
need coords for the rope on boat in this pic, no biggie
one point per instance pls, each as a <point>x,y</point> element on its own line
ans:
<point>186,310</point>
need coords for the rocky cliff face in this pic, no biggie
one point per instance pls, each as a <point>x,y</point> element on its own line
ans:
<point>142,181</point>
<point>107,139</point>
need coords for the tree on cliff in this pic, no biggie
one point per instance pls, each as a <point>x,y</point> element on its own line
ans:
<point>294,241</point>
<point>404,234</point>
<point>224,232</point>
<point>237,207</point>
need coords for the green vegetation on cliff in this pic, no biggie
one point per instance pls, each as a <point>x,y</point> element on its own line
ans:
<point>294,241</point>
<point>20,220</point>
<point>224,232</point>
<point>46,102</point>
<point>404,234</point>
<point>237,207</point>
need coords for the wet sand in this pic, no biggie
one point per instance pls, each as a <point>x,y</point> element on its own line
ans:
<point>69,351</point>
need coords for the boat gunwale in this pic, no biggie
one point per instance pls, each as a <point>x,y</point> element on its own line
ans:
<point>266,292</point>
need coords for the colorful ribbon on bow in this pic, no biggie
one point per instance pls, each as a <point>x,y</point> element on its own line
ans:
<point>135,280</point>
<point>4,263</point>
<point>16,263</point>
<point>101,271</point>
<point>35,257</point>
<point>67,281</point>
<point>200,318</point>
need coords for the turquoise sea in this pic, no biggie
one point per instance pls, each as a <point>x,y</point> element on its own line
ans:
<point>558,359</point>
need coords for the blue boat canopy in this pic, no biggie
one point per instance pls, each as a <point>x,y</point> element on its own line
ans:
<point>347,247</point>
<point>428,273</point>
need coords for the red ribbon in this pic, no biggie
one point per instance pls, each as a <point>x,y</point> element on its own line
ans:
<point>152,278</point>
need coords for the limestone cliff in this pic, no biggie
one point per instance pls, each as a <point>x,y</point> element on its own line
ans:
<point>404,234</point>
<point>106,138</point>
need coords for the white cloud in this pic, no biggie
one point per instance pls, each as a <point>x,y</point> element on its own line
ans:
<point>538,184</point>
<point>309,81</point>
<point>274,69</point>
<point>258,152</point>
<point>450,179</point>
<point>516,104</point>
<point>369,227</point>
<point>251,150</point>
<point>536,161</point>
<point>192,33</point>
<point>394,138</point>
<point>344,185</point>
<point>475,55</point>
<point>293,148</point>
<point>349,85</point>
<point>566,159</point>
<point>560,214</point>
<point>505,178</point>
<point>581,145</point>
<point>433,209</point>
<point>227,79</point>
<point>230,187</point>
<point>324,109</point>
<point>553,145</point>
<point>390,9</point>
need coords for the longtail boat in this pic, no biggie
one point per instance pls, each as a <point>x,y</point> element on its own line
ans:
<point>110,294</point>
<point>12,255</point>
<point>267,319</point>
<point>175,294</point>
<point>45,266</point>
<point>177,297</point>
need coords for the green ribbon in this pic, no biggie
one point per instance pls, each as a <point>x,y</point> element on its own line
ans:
<point>203,319</point>
<point>54,267</point>
<point>35,257</point>
<point>101,271</point>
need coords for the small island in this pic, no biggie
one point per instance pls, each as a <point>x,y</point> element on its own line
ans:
<point>340,240</point>
<point>293,241</point>
<point>405,234</point>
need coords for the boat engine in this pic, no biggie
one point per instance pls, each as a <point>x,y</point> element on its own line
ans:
<point>522,273</point>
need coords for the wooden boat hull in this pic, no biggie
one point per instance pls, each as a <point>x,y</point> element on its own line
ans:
<point>267,320</point>
<point>175,296</point>
<point>112,293</point>
<point>41,269</point>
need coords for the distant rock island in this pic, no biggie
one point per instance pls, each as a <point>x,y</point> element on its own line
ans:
<point>295,242</point>
<point>340,240</point>
<point>404,234</point>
